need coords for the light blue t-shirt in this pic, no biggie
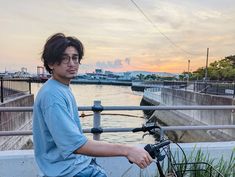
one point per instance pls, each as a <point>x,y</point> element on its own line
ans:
<point>57,131</point>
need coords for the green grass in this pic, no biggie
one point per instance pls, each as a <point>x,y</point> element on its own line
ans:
<point>225,167</point>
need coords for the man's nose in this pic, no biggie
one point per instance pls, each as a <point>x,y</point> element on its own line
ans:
<point>71,62</point>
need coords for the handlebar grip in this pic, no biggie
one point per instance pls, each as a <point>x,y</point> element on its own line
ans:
<point>152,149</point>
<point>161,144</point>
<point>145,128</point>
<point>138,129</point>
<point>149,149</point>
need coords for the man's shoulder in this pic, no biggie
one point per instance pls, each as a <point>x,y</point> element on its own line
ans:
<point>52,92</point>
<point>51,86</point>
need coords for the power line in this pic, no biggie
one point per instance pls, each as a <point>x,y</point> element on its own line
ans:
<point>150,21</point>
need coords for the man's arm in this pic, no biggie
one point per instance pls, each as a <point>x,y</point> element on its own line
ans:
<point>135,154</point>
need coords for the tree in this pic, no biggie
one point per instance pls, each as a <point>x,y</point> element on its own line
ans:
<point>150,77</point>
<point>223,69</point>
<point>198,74</point>
<point>140,76</point>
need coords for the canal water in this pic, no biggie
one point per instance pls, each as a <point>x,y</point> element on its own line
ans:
<point>110,96</point>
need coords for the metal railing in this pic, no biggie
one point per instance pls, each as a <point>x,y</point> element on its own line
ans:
<point>10,87</point>
<point>208,87</point>
<point>97,108</point>
<point>215,88</point>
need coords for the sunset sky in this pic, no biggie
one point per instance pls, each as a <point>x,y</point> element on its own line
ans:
<point>120,35</point>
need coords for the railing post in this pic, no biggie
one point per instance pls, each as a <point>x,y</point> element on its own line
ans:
<point>233,89</point>
<point>30,81</point>
<point>194,86</point>
<point>96,119</point>
<point>161,134</point>
<point>1,89</point>
<point>205,87</point>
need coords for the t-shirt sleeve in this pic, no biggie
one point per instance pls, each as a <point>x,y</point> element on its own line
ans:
<point>63,128</point>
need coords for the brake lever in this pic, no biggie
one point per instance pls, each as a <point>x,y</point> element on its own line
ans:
<point>145,135</point>
<point>151,132</point>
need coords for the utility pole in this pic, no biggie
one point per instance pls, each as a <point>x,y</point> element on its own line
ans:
<point>206,70</point>
<point>188,69</point>
<point>206,64</point>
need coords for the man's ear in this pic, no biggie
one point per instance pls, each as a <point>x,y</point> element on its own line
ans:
<point>51,67</point>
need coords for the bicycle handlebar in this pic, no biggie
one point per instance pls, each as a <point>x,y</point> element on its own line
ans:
<point>154,149</point>
<point>145,128</point>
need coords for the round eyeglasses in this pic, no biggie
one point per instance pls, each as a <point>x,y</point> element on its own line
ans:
<point>66,59</point>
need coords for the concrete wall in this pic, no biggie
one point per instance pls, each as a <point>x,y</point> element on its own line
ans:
<point>24,165</point>
<point>210,117</point>
<point>11,121</point>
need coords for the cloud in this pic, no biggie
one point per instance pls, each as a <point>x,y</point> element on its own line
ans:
<point>111,29</point>
<point>108,65</point>
<point>117,63</point>
<point>127,61</point>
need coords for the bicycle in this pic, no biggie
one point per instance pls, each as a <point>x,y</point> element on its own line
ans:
<point>161,149</point>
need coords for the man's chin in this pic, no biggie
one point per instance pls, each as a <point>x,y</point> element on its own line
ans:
<point>71,76</point>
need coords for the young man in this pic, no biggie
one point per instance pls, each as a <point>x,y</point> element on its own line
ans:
<point>61,149</point>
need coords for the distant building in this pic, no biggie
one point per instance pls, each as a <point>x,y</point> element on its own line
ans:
<point>5,75</point>
<point>100,74</point>
<point>108,72</point>
<point>22,74</point>
<point>98,71</point>
<point>127,75</point>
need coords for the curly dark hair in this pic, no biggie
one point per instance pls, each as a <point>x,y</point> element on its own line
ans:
<point>56,45</point>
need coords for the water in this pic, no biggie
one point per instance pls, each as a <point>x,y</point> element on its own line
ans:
<point>110,96</point>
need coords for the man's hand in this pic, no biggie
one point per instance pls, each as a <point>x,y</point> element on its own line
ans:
<point>139,156</point>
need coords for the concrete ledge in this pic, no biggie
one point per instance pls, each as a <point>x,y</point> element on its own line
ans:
<point>21,162</point>
<point>10,121</point>
<point>176,97</point>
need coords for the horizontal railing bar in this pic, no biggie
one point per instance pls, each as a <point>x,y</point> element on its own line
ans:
<point>108,130</point>
<point>29,132</point>
<point>198,127</point>
<point>16,109</point>
<point>128,108</point>
<point>117,108</point>
<point>16,133</point>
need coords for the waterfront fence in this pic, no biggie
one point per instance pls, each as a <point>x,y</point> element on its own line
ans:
<point>153,93</point>
<point>12,87</point>
<point>97,108</point>
<point>216,88</point>
<point>208,87</point>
